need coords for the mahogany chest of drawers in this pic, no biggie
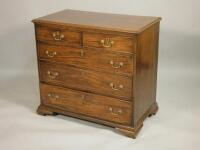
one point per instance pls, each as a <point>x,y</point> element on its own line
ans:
<point>98,67</point>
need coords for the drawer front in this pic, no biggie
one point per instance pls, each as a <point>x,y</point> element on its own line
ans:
<point>92,105</point>
<point>109,42</point>
<point>109,61</point>
<point>57,35</point>
<point>90,81</point>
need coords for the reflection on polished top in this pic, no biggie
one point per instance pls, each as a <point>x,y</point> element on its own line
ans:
<point>123,23</point>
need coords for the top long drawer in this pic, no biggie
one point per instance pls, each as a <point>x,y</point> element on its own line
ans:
<point>108,61</point>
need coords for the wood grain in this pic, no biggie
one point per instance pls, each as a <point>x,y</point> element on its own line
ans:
<point>85,80</point>
<point>86,103</point>
<point>45,34</point>
<point>89,58</point>
<point>100,21</point>
<point>121,43</point>
<point>145,79</point>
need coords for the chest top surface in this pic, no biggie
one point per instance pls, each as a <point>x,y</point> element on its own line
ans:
<point>103,21</point>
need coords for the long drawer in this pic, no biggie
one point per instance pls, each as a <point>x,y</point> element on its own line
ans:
<point>93,105</point>
<point>86,80</point>
<point>114,62</point>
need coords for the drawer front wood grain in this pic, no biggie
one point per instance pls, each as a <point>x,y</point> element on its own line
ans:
<point>90,81</point>
<point>57,35</point>
<point>93,105</point>
<point>108,61</point>
<point>110,42</point>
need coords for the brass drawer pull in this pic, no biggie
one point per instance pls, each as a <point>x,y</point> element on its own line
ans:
<point>114,65</point>
<point>52,95</point>
<point>107,43</point>
<point>115,88</point>
<point>115,111</point>
<point>51,54</point>
<point>52,75</point>
<point>57,36</point>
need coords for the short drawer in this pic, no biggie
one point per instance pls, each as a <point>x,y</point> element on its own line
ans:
<point>57,35</point>
<point>110,42</point>
<point>86,80</point>
<point>108,61</point>
<point>88,104</point>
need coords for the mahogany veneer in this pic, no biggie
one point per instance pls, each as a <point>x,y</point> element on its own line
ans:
<point>98,67</point>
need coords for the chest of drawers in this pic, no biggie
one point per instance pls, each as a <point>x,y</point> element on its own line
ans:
<point>98,67</point>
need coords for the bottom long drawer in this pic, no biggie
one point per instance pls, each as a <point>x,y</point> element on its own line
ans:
<point>97,106</point>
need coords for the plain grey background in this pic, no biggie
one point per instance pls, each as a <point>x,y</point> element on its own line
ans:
<point>176,126</point>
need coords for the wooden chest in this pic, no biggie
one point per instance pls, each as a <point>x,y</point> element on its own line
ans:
<point>98,67</point>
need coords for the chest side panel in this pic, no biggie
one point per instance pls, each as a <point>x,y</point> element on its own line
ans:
<point>146,72</point>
